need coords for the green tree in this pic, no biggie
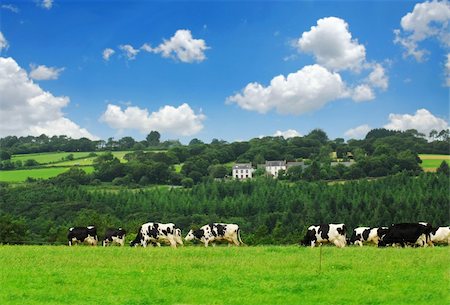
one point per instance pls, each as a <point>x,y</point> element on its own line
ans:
<point>153,138</point>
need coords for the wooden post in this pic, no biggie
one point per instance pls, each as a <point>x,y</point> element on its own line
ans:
<point>320,258</point>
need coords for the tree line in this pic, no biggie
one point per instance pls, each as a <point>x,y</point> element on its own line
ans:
<point>269,211</point>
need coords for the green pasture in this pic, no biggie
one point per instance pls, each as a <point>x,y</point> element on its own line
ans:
<point>221,275</point>
<point>37,173</point>
<point>45,158</point>
<point>57,158</point>
<point>432,162</point>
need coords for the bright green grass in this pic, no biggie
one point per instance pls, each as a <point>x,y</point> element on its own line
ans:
<point>57,157</point>
<point>245,275</point>
<point>432,162</point>
<point>81,162</point>
<point>38,173</point>
<point>44,158</point>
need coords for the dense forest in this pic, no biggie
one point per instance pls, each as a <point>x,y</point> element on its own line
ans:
<point>269,211</point>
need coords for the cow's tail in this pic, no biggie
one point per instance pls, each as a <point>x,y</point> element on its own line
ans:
<point>239,236</point>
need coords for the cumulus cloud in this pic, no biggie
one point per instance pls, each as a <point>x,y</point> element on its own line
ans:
<point>3,42</point>
<point>427,20</point>
<point>47,4</point>
<point>290,133</point>
<point>331,44</point>
<point>313,86</point>
<point>378,77</point>
<point>358,132</point>
<point>423,121</point>
<point>107,53</point>
<point>178,121</point>
<point>306,90</point>
<point>181,46</point>
<point>129,51</point>
<point>362,93</point>
<point>26,109</point>
<point>42,72</point>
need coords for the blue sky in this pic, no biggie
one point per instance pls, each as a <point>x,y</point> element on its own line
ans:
<point>220,69</point>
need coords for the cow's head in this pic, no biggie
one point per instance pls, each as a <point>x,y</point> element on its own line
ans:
<point>194,234</point>
<point>190,236</point>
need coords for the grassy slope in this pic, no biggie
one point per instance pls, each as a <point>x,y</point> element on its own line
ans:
<point>44,158</point>
<point>432,162</point>
<point>245,275</point>
<point>38,173</point>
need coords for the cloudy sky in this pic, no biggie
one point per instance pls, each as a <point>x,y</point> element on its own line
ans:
<point>226,70</point>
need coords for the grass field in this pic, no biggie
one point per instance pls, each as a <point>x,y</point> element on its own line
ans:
<point>221,275</point>
<point>38,173</point>
<point>45,158</point>
<point>431,162</point>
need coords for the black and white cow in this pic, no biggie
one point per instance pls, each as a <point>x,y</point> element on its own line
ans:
<point>114,236</point>
<point>216,232</point>
<point>83,235</point>
<point>361,235</point>
<point>324,233</point>
<point>440,235</point>
<point>155,233</point>
<point>407,234</point>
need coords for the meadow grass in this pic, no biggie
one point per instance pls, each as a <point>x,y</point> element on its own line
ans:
<point>38,173</point>
<point>45,158</point>
<point>221,275</point>
<point>432,162</point>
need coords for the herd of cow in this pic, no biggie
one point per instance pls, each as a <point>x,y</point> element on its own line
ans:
<point>420,234</point>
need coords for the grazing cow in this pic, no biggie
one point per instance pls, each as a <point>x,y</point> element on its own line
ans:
<point>154,233</point>
<point>440,235</point>
<point>406,234</point>
<point>216,232</point>
<point>324,233</point>
<point>366,234</point>
<point>83,234</point>
<point>114,236</point>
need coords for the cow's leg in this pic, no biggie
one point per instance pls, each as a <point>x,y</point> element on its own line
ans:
<point>235,241</point>
<point>206,242</point>
<point>70,243</point>
<point>313,244</point>
<point>172,242</point>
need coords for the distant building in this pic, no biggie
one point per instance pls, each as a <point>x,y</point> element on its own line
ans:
<point>292,164</point>
<point>242,171</point>
<point>273,167</point>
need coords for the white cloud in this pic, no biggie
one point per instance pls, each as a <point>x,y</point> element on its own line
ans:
<point>306,90</point>
<point>290,133</point>
<point>178,121</point>
<point>358,132</point>
<point>26,109</point>
<point>362,93</point>
<point>423,121</point>
<point>11,8</point>
<point>378,78</point>
<point>3,43</point>
<point>47,4</point>
<point>129,51</point>
<point>107,53</point>
<point>332,45</point>
<point>147,48</point>
<point>427,20</point>
<point>183,47</point>
<point>42,72</point>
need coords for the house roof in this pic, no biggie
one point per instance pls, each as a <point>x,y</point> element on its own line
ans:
<point>242,166</point>
<point>275,163</point>
<point>290,164</point>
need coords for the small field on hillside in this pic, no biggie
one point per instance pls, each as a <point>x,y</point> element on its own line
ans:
<point>38,173</point>
<point>221,275</point>
<point>431,162</point>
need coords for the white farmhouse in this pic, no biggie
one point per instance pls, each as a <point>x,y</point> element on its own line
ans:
<point>273,167</point>
<point>242,171</point>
